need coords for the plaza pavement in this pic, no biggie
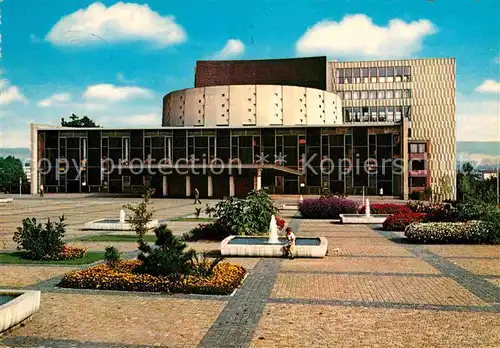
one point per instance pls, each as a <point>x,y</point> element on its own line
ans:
<point>372,290</point>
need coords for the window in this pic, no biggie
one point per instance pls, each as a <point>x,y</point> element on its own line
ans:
<point>373,114</point>
<point>381,94</point>
<point>347,95</point>
<point>364,94</point>
<point>373,94</point>
<point>398,94</point>
<point>347,114</point>
<point>414,148</point>
<point>381,74</point>
<point>421,148</point>
<point>356,72</point>
<point>390,114</point>
<point>407,93</point>
<point>347,75</point>
<point>390,74</point>
<point>365,114</point>
<point>407,74</point>
<point>340,76</point>
<point>357,114</point>
<point>389,94</point>
<point>399,74</point>
<point>373,75</point>
<point>365,75</point>
<point>407,111</point>
<point>381,113</point>
<point>399,111</point>
<point>340,94</point>
<point>355,94</point>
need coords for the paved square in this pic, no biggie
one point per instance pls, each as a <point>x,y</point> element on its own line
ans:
<point>482,267</point>
<point>23,275</point>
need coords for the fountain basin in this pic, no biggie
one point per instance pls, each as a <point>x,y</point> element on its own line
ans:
<point>16,306</point>
<point>114,225</point>
<point>363,218</point>
<point>260,247</point>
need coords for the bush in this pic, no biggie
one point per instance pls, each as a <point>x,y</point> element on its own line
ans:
<point>327,208</point>
<point>250,216</point>
<point>449,232</point>
<point>421,207</point>
<point>398,222</point>
<point>41,242</point>
<point>141,214</point>
<point>281,223</point>
<point>69,253</point>
<point>223,280</point>
<point>387,208</point>
<point>213,231</point>
<point>112,256</point>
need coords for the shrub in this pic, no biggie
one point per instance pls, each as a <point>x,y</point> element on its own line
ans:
<point>69,253</point>
<point>398,222</point>
<point>327,208</point>
<point>213,231</point>
<point>449,232</point>
<point>421,207</point>
<point>281,223</point>
<point>249,216</point>
<point>111,256</point>
<point>197,212</point>
<point>224,278</point>
<point>387,208</point>
<point>141,214</point>
<point>41,242</point>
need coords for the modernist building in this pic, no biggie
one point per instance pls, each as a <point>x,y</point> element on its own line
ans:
<point>287,125</point>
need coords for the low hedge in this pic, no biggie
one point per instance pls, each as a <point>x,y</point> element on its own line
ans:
<point>387,208</point>
<point>225,278</point>
<point>398,222</point>
<point>448,232</point>
<point>327,208</point>
<point>421,207</point>
<point>212,232</point>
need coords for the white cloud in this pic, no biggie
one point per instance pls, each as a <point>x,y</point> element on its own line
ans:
<point>117,23</point>
<point>114,93</point>
<point>55,99</point>
<point>477,120</point>
<point>10,94</point>
<point>357,36</point>
<point>232,49</point>
<point>489,86</point>
<point>145,120</point>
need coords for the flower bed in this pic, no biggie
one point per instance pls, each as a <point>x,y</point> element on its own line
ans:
<point>225,278</point>
<point>387,208</point>
<point>398,222</point>
<point>447,232</point>
<point>69,253</point>
<point>421,207</point>
<point>327,208</point>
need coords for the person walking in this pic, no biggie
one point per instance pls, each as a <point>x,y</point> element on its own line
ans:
<point>196,196</point>
<point>41,190</point>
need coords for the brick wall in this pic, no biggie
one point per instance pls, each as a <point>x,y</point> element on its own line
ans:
<point>304,72</point>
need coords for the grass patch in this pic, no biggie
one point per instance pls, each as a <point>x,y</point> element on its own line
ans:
<point>18,258</point>
<point>117,238</point>
<point>192,219</point>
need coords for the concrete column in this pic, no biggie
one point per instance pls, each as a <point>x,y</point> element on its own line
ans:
<point>231,186</point>
<point>164,185</point>
<point>259,179</point>
<point>188,186</point>
<point>210,189</point>
<point>34,159</point>
<point>404,139</point>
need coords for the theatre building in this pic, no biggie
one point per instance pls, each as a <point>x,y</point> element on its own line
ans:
<point>287,125</point>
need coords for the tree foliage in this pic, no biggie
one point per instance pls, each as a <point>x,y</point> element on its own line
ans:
<point>471,186</point>
<point>75,121</point>
<point>39,241</point>
<point>11,170</point>
<point>141,214</point>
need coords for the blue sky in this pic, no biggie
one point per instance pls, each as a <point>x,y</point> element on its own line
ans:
<point>114,61</point>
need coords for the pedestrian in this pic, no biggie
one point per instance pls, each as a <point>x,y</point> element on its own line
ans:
<point>381,193</point>
<point>290,247</point>
<point>41,190</point>
<point>196,196</point>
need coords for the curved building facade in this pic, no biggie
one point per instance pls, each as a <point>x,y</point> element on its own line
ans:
<point>251,105</point>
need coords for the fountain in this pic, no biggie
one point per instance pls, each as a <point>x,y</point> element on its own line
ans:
<point>366,218</point>
<point>119,224</point>
<point>273,231</point>
<point>16,306</point>
<point>272,245</point>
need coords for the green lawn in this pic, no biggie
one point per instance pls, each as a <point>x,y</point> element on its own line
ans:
<point>117,238</point>
<point>17,257</point>
<point>193,219</point>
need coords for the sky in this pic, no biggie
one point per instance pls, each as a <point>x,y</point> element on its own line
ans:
<point>114,61</point>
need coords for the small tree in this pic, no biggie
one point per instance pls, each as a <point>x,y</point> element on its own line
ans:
<point>75,121</point>
<point>39,241</point>
<point>141,214</point>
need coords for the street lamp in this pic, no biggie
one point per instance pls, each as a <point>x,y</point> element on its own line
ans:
<point>20,186</point>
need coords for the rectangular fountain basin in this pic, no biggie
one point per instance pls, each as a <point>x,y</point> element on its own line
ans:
<point>259,246</point>
<point>363,219</point>
<point>114,225</point>
<point>16,306</point>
